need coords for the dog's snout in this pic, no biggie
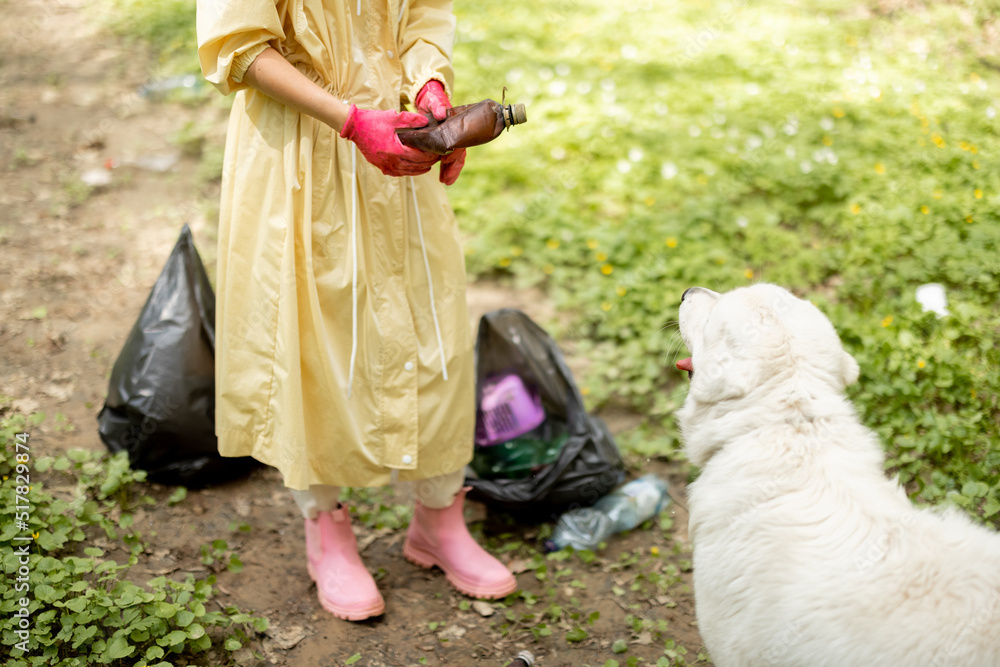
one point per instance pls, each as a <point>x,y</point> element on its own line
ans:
<point>685,293</point>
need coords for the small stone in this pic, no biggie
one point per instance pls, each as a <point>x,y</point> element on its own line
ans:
<point>484,609</point>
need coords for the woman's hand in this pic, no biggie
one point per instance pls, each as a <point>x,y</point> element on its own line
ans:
<point>374,133</point>
<point>433,100</point>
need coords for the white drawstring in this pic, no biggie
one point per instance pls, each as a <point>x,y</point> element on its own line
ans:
<point>402,8</point>
<point>430,283</point>
<point>354,264</point>
<point>359,7</point>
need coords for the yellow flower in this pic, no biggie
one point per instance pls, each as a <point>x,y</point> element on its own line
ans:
<point>924,209</point>
<point>606,306</point>
<point>972,393</point>
<point>601,256</point>
<point>702,179</point>
<point>548,269</point>
<point>621,290</point>
<point>937,194</point>
<point>649,201</point>
<point>973,77</point>
<point>887,321</point>
<point>584,390</point>
<point>975,164</point>
<point>748,274</point>
<point>654,550</point>
<point>921,364</point>
<point>978,193</point>
<point>968,219</point>
<point>591,243</point>
<point>938,140</point>
<point>607,269</point>
<point>838,112</point>
<point>879,168</point>
<point>34,535</point>
<point>827,140</point>
<point>552,244</point>
<point>671,242</point>
<point>720,260</point>
<point>855,208</point>
<point>516,250</point>
<point>504,261</point>
<point>851,40</point>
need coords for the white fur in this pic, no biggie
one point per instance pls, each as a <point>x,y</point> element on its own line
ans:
<point>804,553</point>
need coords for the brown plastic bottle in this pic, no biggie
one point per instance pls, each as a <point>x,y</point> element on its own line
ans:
<point>465,126</point>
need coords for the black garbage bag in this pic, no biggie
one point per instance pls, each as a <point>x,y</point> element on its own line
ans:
<point>161,398</point>
<point>588,466</point>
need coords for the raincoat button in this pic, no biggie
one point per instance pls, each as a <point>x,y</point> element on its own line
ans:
<point>407,458</point>
<point>408,366</point>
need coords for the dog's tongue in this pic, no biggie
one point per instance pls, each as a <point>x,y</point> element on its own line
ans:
<point>685,365</point>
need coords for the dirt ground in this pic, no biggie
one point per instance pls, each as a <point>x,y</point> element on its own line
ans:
<point>77,264</point>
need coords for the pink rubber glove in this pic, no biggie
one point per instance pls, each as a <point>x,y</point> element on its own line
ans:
<point>374,133</point>
<point>433,100</point>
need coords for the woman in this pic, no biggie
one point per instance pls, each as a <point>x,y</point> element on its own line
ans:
<point>344,351</point>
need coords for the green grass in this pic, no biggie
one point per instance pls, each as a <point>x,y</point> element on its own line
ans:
<point>835,148</point>
<point>847,156</point>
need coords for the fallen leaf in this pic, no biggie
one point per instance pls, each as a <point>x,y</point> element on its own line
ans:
<point>452,632</point>
<point>519,565</point>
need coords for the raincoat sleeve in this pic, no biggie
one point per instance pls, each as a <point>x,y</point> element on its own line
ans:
<point>427,40</point>
<point>231,35</point>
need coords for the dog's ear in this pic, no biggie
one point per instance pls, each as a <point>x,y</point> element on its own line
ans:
<point>850,370</point>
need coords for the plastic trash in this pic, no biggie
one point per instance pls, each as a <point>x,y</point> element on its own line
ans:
<point>161,397</point>
<point>158,162</point>
<point>588,464</point>
<point>622,510</point>
<point>519,457</point>
<point>507,409</point>
<point>932,297</point>
<point>96,178</point>
<point>523,659</point>
<point>163,87</point>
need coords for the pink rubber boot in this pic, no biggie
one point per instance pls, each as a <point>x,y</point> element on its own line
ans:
<point>440,537</point>
<point>344,586</point>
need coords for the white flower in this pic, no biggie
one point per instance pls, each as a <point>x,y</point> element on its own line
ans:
<point>752,89</point>
<point>694,131</point>
<point>742,221</point>
<point>629,52</point>
<point>806,166</point>
<point>558,153</point>
<point>635,154</point>
<point>668,170</point>
<point>624,166</point>
<point>562,69</point>
<point>826,123</point>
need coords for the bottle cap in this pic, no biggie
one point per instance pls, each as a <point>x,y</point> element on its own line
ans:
<point>518,113</point>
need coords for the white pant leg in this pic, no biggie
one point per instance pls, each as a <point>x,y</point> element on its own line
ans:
<point>316,499</point>
<point>439,492</point>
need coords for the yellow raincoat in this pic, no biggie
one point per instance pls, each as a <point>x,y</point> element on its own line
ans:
<point>343,342</point>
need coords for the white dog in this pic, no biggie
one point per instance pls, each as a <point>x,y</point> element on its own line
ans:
<point>804,553</point>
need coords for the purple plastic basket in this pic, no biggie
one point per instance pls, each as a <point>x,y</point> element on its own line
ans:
<point>507,410</point>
